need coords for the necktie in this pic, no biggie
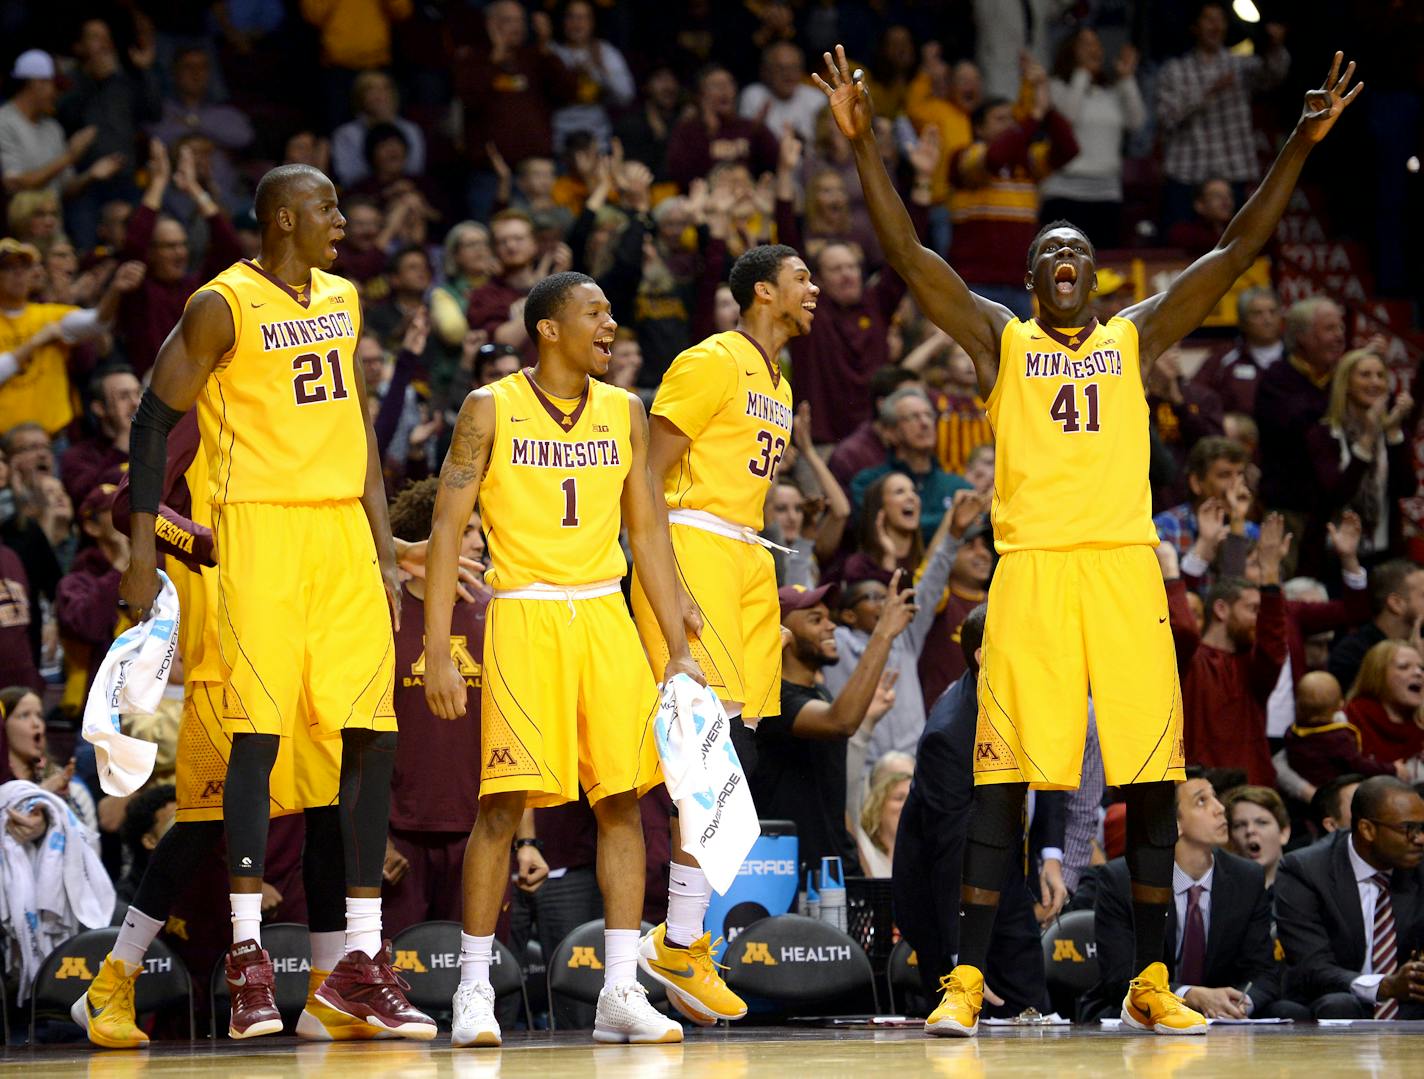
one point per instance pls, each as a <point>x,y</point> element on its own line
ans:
<point>1384,953</point>
<point>1192,968</point>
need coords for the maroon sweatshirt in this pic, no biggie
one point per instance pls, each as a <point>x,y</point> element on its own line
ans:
<point>149,312</point>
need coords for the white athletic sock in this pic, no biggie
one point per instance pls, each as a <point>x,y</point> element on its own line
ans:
<point>475,956</point>
<point>246,916</point>
<point>363,925</point>
<point>327,950</point>
<point>620,956</point>
<point>134,938</point>
<point>688,896</point>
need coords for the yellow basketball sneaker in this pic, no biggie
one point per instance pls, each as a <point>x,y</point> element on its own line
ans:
<point>1151,1006</point>
<point>957,1015</point>
<point>318,1023</point>
<point>106,1010</point>
<point>690,977</point>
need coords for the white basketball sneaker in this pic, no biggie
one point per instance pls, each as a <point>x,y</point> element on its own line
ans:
<point>625,1017</point>
<point>474,1022</point>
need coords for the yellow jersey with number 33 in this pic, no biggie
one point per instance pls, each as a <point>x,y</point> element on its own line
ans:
<point>730,399</point>
<point>551,497</point>
<point>1070,439</point>
<point>281,417</point>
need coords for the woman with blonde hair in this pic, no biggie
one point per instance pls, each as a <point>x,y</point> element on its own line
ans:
<point>33,217</point>
<point>1360,456</point>
<point>1384,703</point>
<point>880,819</point>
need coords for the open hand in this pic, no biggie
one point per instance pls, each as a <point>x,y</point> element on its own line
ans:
<point>849,99</point>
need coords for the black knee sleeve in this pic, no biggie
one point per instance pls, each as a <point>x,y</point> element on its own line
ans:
<point>995,833</point>
<point>246,804</point>
<point>1151,832</point>
<point>368,760</point>
<point>324,870</point>
<point>174,864</point>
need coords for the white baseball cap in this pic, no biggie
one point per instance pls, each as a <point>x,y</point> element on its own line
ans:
<point>33,64</point>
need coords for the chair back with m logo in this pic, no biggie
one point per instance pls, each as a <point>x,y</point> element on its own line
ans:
<point>289,945</point>
<point>427,956</point>
<point>794,961</point>
<point>1070,959</point>
<point>576,968</point>
<point>66,972</point>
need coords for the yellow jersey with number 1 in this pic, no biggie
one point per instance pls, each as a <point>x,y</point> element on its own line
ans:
<point>1070,439</point>
<point>551,498</point>
<point>281,417</point>
<point>729,398</point>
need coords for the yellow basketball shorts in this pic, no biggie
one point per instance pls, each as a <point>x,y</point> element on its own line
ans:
<point>1061,625</point>
<point>567,701</point>
<point>307,774</point>
<point>734,586</point>
<point>303,624</point>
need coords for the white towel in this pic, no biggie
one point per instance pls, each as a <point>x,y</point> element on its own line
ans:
<point>49,890</point>
<point>131,680</point>
<point>705,779</point>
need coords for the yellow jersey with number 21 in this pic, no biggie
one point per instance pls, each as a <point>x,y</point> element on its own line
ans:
<point>1070,439</point>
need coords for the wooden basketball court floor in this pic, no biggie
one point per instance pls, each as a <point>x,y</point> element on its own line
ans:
<point>1394,1050</point>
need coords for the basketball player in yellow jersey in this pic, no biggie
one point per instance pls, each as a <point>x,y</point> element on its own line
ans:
<point>558,462</point>
<point>720,424</point>
<point>307,583</point>
<point>1077,602</point>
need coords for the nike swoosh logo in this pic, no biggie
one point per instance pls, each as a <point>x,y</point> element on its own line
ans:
<point>257,305</point>
<point>685,973</point>
<point>751,374</point>
<point>238,983</point>
<point>517,419</point>
<point>94,1012</point>
<point>1160,621</point>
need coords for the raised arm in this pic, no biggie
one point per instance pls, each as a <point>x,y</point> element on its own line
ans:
<point>460,477</point>
<point>203,336</point>
<point>1166,318</point>
<point>941,293</point>
<point>652,547</point>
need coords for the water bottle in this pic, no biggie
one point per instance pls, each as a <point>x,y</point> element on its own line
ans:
<point>833,892</point>
<point>809,903</point>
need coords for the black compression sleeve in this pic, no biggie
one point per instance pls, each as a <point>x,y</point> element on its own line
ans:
<point>148,452</point>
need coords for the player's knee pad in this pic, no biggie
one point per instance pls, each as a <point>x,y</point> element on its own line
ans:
<point>995,831</point>
<point>1151,832</point>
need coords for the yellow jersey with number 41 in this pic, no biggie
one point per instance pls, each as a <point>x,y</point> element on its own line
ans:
<point>551,497</point>
<point>281,417</point>
<point>730,399</point>
<point>1070,439</point>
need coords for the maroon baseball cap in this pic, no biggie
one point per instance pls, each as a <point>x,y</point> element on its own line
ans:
<point>797,597</point>
<point>97,501</point>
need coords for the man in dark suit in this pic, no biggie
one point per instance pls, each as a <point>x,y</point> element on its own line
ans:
<point>1219,953</point>
<point>1350,910</point>
<point>929,854</point>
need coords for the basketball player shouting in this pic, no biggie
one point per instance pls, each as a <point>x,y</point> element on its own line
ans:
<point>1078,600</point>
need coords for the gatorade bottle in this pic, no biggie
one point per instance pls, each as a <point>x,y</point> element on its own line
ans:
<point>810,904</point>
<point>833,892</point>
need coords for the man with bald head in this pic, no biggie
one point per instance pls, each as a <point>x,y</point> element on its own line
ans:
<point>307,585</point>
<point>1350,910</point>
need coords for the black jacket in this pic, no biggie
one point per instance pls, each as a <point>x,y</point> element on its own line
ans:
<point>1322,926</point>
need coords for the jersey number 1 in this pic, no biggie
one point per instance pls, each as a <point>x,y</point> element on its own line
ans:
<point>570,489</point>
<point>308,367</point>
<point>1065,408</point>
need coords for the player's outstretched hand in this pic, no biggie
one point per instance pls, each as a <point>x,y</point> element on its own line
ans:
<point>849,98</point>
<point>1324,106</point>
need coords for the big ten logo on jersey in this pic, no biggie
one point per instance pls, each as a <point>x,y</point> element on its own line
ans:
<point>584,957</point>
<point>756,951</point>
<point>770,444</point>
<point>465,663</point>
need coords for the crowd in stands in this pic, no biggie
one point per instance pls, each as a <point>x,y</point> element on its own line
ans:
<point>481,146</point>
